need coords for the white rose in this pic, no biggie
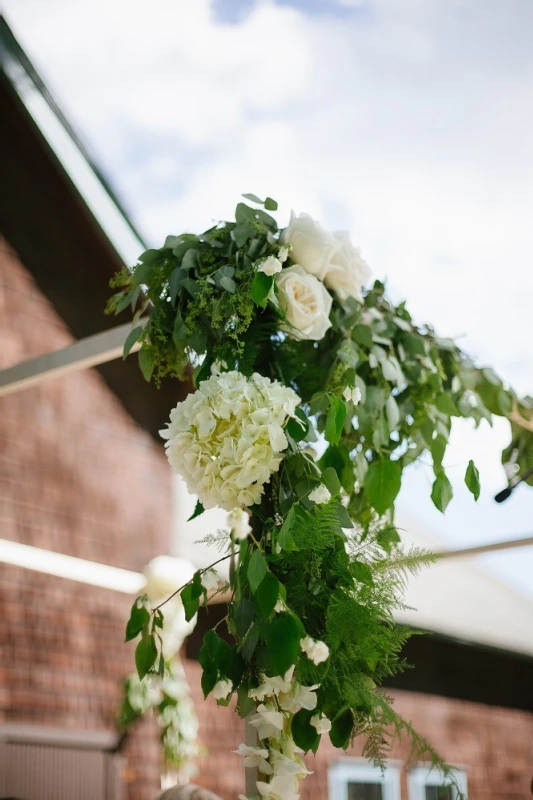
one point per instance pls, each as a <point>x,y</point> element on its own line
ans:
<point>222,689</point>
<point>238,523</point>
<point>270,266</point>
<point>305,302</point>
<point>311,245</point>
<point>321,723</point>
<point>316,651</point>
<point>320,495</point>
<point>347,272</point>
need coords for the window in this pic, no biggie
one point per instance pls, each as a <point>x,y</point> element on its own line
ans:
<point>425,784</point>
<point>357,780</point>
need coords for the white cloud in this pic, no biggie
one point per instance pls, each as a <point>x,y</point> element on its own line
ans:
<point>409,123</point>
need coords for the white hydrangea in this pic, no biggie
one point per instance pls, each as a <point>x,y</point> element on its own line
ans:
<point>227,438</point>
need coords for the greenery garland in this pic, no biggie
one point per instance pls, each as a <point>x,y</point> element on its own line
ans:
<point>312,396</point>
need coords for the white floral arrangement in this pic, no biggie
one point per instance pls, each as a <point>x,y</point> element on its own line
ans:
<point>313,393</point>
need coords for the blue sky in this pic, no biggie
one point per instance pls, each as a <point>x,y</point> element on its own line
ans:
<point>406,121</point>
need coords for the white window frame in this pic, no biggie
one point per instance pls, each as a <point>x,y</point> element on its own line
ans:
<point>420,777</point>
<point>344,772</point>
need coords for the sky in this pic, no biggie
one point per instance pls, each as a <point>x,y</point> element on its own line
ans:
<point>407,122</point>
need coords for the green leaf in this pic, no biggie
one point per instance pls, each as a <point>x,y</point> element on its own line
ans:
<point>330,480</point>
<point>190,596</point>
<point>393,412</point>
<point>244,213</point>
<point>146,363</point>
<point>175,283</point>
<point>442,491</point>
<point>257,569</point>
<point>304,734</point>
<point>254,198</point>
<point>243,616</point>
<point>361,572</point>
<point>283,641</point>
<point>438,448</point>
<point>228,284</point>
<point>145,655</point>
<point>267,594</point>
<point>141,274</point>
<point>198,509</point>
<point>261,287</point>
<point>245,704</point>
<point>382,483</point>
<point>298,430</point>
<point>241,233</point>
<point>363,335</point>
<point>216,652</point>
<point>191,259</point>
<point>387,537</point>
<point>270,204</point>
<point>139,617</point>
<point>472,479</point>
<point>341,729</point>
<point>285,540</point>
<point>149,256</point>
<point>446,405</point>
<point>132,337</point>
<point>335,419</point>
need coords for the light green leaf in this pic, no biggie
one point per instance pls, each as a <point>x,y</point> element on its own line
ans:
<point>132,337</point>
<point>472,479</point>
<point>146,362</point>
<point>393,412</point>
<point>382,483</point>
<point>442,491</point>
<point>285,540</point>
<point>257,569</point>
<point>270,204</point>
<point>335,419</point>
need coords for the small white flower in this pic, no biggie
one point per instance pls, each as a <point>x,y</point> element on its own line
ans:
<point>353,394</point>
<point>209,580</point>
<point>268,722</point>
<point>316,651</point>
<point>320,495</point>
<point>272,686</point>
<point>280,606</point>
<point>299,697</point>
<point>270,266</point>
<point>222,689</point>
<point>255,757</point>
<point>321,723</point>
<point>281,787</point>
<point>284,252</point>
<point>238,523</point>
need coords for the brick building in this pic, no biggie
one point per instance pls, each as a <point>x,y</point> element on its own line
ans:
<point>82,474</point>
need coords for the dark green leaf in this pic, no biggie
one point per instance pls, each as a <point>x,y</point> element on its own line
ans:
<point>150,256</point>
<point>382,483</point>
<point>472,479</point>
<point>243,616</point>
<point>442,491</point>
<point>245,704</point>
<point>304,734</point>
<point>284,636</point>
<point>175,283</point>
<point>243,232</point>
<point>270,204</point>
<point>139,617</point>
<point>190,597</point>
<point>335,419</point>
<point>298,430</point>
<point>261,287</point>
<point>257,569</point>
<point>244,213</point>
<point>341,729</point>
<point>285,540</point>
<point>132,337</point>
<point>363,335</point>
<point>145,655</point>
<point>141,274</point>
<point>198,509</point>
<point>146,362</point>
<point>438,448</point>
<point>330,480</point>
<point>267,594</point>
<point>228,284</point>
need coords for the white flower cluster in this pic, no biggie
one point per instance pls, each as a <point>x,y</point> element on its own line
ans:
<point>227,438</point>
<point>277,757</point>
<point>320,259</point>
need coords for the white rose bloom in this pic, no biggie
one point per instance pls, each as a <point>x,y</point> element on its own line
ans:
<point>347,273</point>
<point>268,722</point>
<point>209,579</point>
<point>222,689</point>
<point>238,523</point>
<point>320,495</point>
<point>311,245</point>
<point>255,757</point>
<point>305,302</point>
<point>321,723</point>
<point>226,439</point>
<point>315,650</point>
<point>270,265</point>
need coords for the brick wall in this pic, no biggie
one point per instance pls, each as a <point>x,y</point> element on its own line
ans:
<point>494,744</point>
<point>77,476</point>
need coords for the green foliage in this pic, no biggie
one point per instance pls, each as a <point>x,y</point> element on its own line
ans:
<point>472,479</point>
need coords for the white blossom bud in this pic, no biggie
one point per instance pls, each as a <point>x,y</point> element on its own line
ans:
<point>320,495</point>
<point>321,723</point>
<point>316,651</point>
<point>222,689</point>
<point>239,524</point>
<point>209,580</point>
<point>270,266</point>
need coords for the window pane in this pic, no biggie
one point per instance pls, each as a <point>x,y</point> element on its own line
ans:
<point>440,793</point>
<point>365,791</point>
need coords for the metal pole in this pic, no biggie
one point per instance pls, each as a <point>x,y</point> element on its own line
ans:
<point>526,541</point>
